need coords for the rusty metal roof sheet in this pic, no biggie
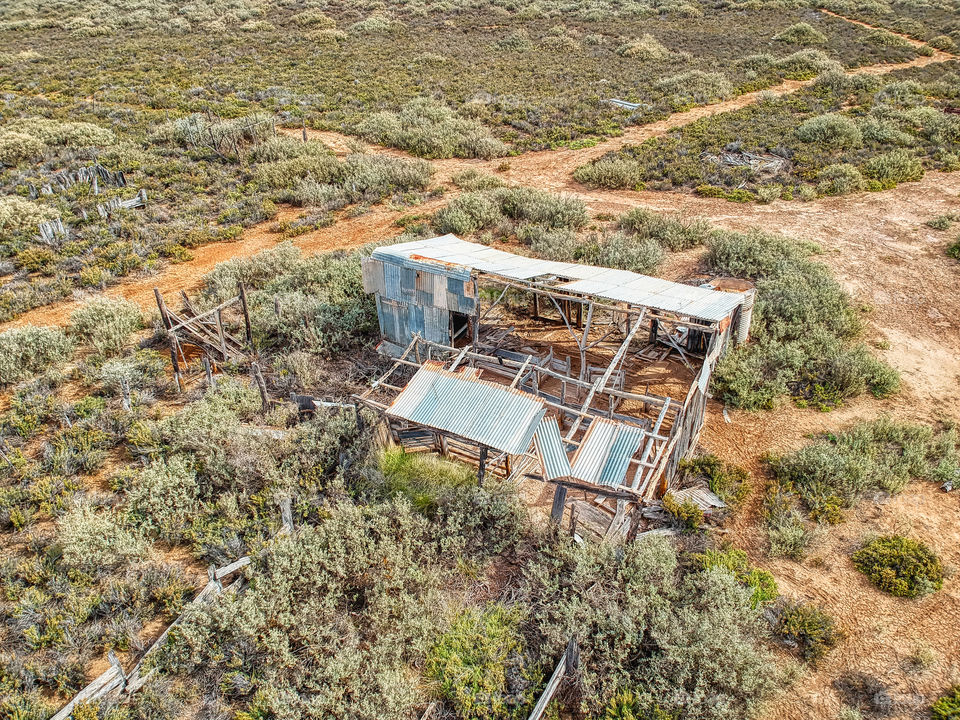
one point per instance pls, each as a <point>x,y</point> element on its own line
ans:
<point>455,257</point>
<point>485,412</point>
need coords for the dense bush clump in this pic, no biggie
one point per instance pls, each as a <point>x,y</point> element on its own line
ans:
<point>106,323</point>
<point>808,628</point>
<point>687,639</point>
<point>479,665</point>
<point>760,582</point>
<point>28,350</point>
<point>900,566</point>
<point>947,707</point>
<point>802,329</point>
<point>834,472</point>
<point>427,128</point>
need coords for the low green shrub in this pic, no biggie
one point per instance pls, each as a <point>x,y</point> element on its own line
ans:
<point>840,179</point>
<point>644,48</point>
<point>106,323</point>
<point>947,706</point>
<point>801,33</point>
<point>479,662</point>
<point>627,705</point>
<point>686,514</point>
<point>28,350</point>
<point>761,582</point>
<point>689,639</point>
<point>954,250</point>
<point>422,477</point>
<point>900,566</point>
<point>15,147</point>
<point>19,216</point>
<point>893,167</point>
<point>427,128</point>
<point>808,628</point>
<point>94,541</point>
<point>835,471</point>
<point>672,232</point>
<point>831,130</point>
<point>163,497</point>
<point>729,482</point>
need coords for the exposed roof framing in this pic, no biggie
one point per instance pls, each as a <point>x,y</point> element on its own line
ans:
<point>462,260</point>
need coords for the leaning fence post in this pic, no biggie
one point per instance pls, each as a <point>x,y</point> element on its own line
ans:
<point>261,385</point>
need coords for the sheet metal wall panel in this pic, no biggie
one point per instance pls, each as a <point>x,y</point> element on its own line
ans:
<point>436,325</point>
<point>391,281</point>
<point>625,445</point>
<point>408,284</point>
<point>372,272</point>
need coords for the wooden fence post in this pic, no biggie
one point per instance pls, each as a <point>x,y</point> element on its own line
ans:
<point>261,385</point>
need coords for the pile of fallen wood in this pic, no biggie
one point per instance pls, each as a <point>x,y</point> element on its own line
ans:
<point>754,161</point>
<point>94,174</point>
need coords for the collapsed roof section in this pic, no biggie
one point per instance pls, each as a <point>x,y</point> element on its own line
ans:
<point>485,412</point>
<point>456,258</point>
<point>509,420</point>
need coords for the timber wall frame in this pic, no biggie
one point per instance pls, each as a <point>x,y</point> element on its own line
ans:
<point>672,430</point>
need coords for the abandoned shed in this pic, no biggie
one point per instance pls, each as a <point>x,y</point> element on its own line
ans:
<point>586,377</point>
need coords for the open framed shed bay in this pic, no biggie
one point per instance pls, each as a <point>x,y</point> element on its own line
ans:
<point>589,378</point>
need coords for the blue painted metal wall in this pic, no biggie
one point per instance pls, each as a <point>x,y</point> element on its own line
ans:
<point>413,297</point>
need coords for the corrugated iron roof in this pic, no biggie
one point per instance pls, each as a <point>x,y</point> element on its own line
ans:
<point>455,257</point>
<point>487,413</point>
<point>550,448</point>
<point>603,457</point>
<point>700,496</point>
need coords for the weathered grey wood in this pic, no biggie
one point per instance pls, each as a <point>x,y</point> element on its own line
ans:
<point>553,684</point>
<point>242,294</point>
<point>228,570</point>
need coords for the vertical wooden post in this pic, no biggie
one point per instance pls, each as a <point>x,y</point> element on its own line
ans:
<point>211,381</point>
<point>242,292</point>
<point>483,465</point>
<point>559,498</point>
<point>261,386</point>
<point>573,521</point>
<point>223,340</point>
<point>536,306</point>
<point>286,513</point>
<point>303,121</point>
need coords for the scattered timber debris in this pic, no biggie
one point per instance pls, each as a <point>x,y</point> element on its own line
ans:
<point>111,206</point>
<point>94,174</point>
<point>742,158</point>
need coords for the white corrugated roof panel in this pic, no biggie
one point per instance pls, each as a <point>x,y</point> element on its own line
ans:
<point>611,284</point>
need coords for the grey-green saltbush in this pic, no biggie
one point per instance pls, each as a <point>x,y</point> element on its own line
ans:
<point>832,130</point>
<point>164,496</point>
<point>96,541</point>
<point>28,350</point>
<point>106,323</point>
<point>427,128</point>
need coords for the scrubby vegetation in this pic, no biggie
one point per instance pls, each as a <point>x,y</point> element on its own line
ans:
<point>803,333</point>
<point>844,134</point>
<point>900,566</point>
<point>947,707</point>
<point>807,628</point>
<point>835,472</point>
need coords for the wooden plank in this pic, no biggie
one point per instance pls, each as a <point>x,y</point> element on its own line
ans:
<point>553,684</point>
